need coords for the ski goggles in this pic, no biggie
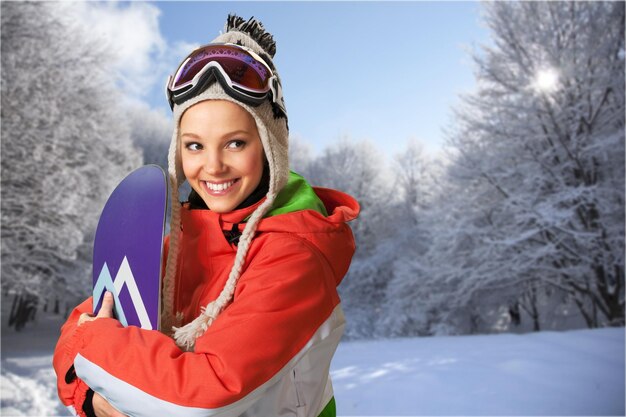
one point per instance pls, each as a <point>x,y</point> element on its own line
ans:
<point>243,74</point>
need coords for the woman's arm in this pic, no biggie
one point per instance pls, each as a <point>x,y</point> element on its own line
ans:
<point>95,404</point>
<point>91,403</point>
<point>71,389</point>
<point>282,304</point>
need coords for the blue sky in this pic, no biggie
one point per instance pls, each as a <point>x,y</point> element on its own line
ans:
<point>383,71</point>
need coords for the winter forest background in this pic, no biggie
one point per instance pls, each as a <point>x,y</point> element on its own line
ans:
<point>517,227</point>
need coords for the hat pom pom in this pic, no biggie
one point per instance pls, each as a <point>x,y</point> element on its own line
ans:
<point>254,29</point>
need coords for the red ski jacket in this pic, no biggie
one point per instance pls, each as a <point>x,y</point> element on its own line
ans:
<point>267,354</point>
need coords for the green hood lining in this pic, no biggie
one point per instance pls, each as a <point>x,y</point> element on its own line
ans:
<point>295,196</point>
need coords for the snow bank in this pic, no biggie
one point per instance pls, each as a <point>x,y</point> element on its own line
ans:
<point>28,382</point>
<point>549,373</point>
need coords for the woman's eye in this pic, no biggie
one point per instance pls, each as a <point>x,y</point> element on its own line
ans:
<point>236,144</point>
<point>193,146</point>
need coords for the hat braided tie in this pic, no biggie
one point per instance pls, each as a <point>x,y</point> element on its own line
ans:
<point>186,335</point>
<point>167,319</point>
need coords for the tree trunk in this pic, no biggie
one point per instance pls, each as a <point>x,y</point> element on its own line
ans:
<point>581,307</point>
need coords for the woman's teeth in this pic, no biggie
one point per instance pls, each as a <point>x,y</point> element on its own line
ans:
<point>219,187</point>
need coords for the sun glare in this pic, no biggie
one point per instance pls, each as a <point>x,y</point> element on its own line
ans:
<point>546,80</point>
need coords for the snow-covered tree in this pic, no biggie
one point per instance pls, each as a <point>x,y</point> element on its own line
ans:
<point>415,184</point>
<point>300,156</point>
<point>355,167</point>
<point>413,178</point>
<point>151,131</point>
<point>534,205</point>
<point>65,146</point>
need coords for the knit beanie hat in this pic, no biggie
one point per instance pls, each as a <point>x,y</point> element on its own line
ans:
<point>273,131</point>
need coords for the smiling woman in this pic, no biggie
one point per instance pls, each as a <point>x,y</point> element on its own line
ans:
<point>221,152</point>
<point>254,313</point>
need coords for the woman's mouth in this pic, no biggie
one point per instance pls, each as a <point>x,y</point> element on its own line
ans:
<point>219,189</point>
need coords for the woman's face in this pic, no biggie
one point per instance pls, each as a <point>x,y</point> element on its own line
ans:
<point>222,153</point>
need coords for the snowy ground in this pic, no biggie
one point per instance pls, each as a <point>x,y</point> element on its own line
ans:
<point>28,382</point>
<point>570,373</point>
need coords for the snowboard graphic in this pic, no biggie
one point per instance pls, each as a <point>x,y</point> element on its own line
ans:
<point>128,247</point>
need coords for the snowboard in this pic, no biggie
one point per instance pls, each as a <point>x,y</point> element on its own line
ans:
<point>128,245</point>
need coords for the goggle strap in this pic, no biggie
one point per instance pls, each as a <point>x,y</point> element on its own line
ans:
<point>277,93</point>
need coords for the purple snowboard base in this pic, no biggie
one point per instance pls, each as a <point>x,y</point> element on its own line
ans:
<point>128,248</point>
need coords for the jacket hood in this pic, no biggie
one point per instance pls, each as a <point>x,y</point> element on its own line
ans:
<point>317,214</point>
<point>330,234</point>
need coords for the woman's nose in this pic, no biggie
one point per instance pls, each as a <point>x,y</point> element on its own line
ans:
<point>214,164</point>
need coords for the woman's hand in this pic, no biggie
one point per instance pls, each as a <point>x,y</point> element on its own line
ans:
<point>102,408</point>
<point>106,311</point>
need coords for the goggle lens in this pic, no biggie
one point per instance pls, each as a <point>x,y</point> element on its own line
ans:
<point>240,66</point>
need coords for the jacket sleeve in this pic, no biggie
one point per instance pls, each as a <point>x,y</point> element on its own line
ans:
<point>282,302</point>
<point>71,389</point>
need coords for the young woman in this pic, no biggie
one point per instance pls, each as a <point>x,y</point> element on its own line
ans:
<point>251,317</point>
